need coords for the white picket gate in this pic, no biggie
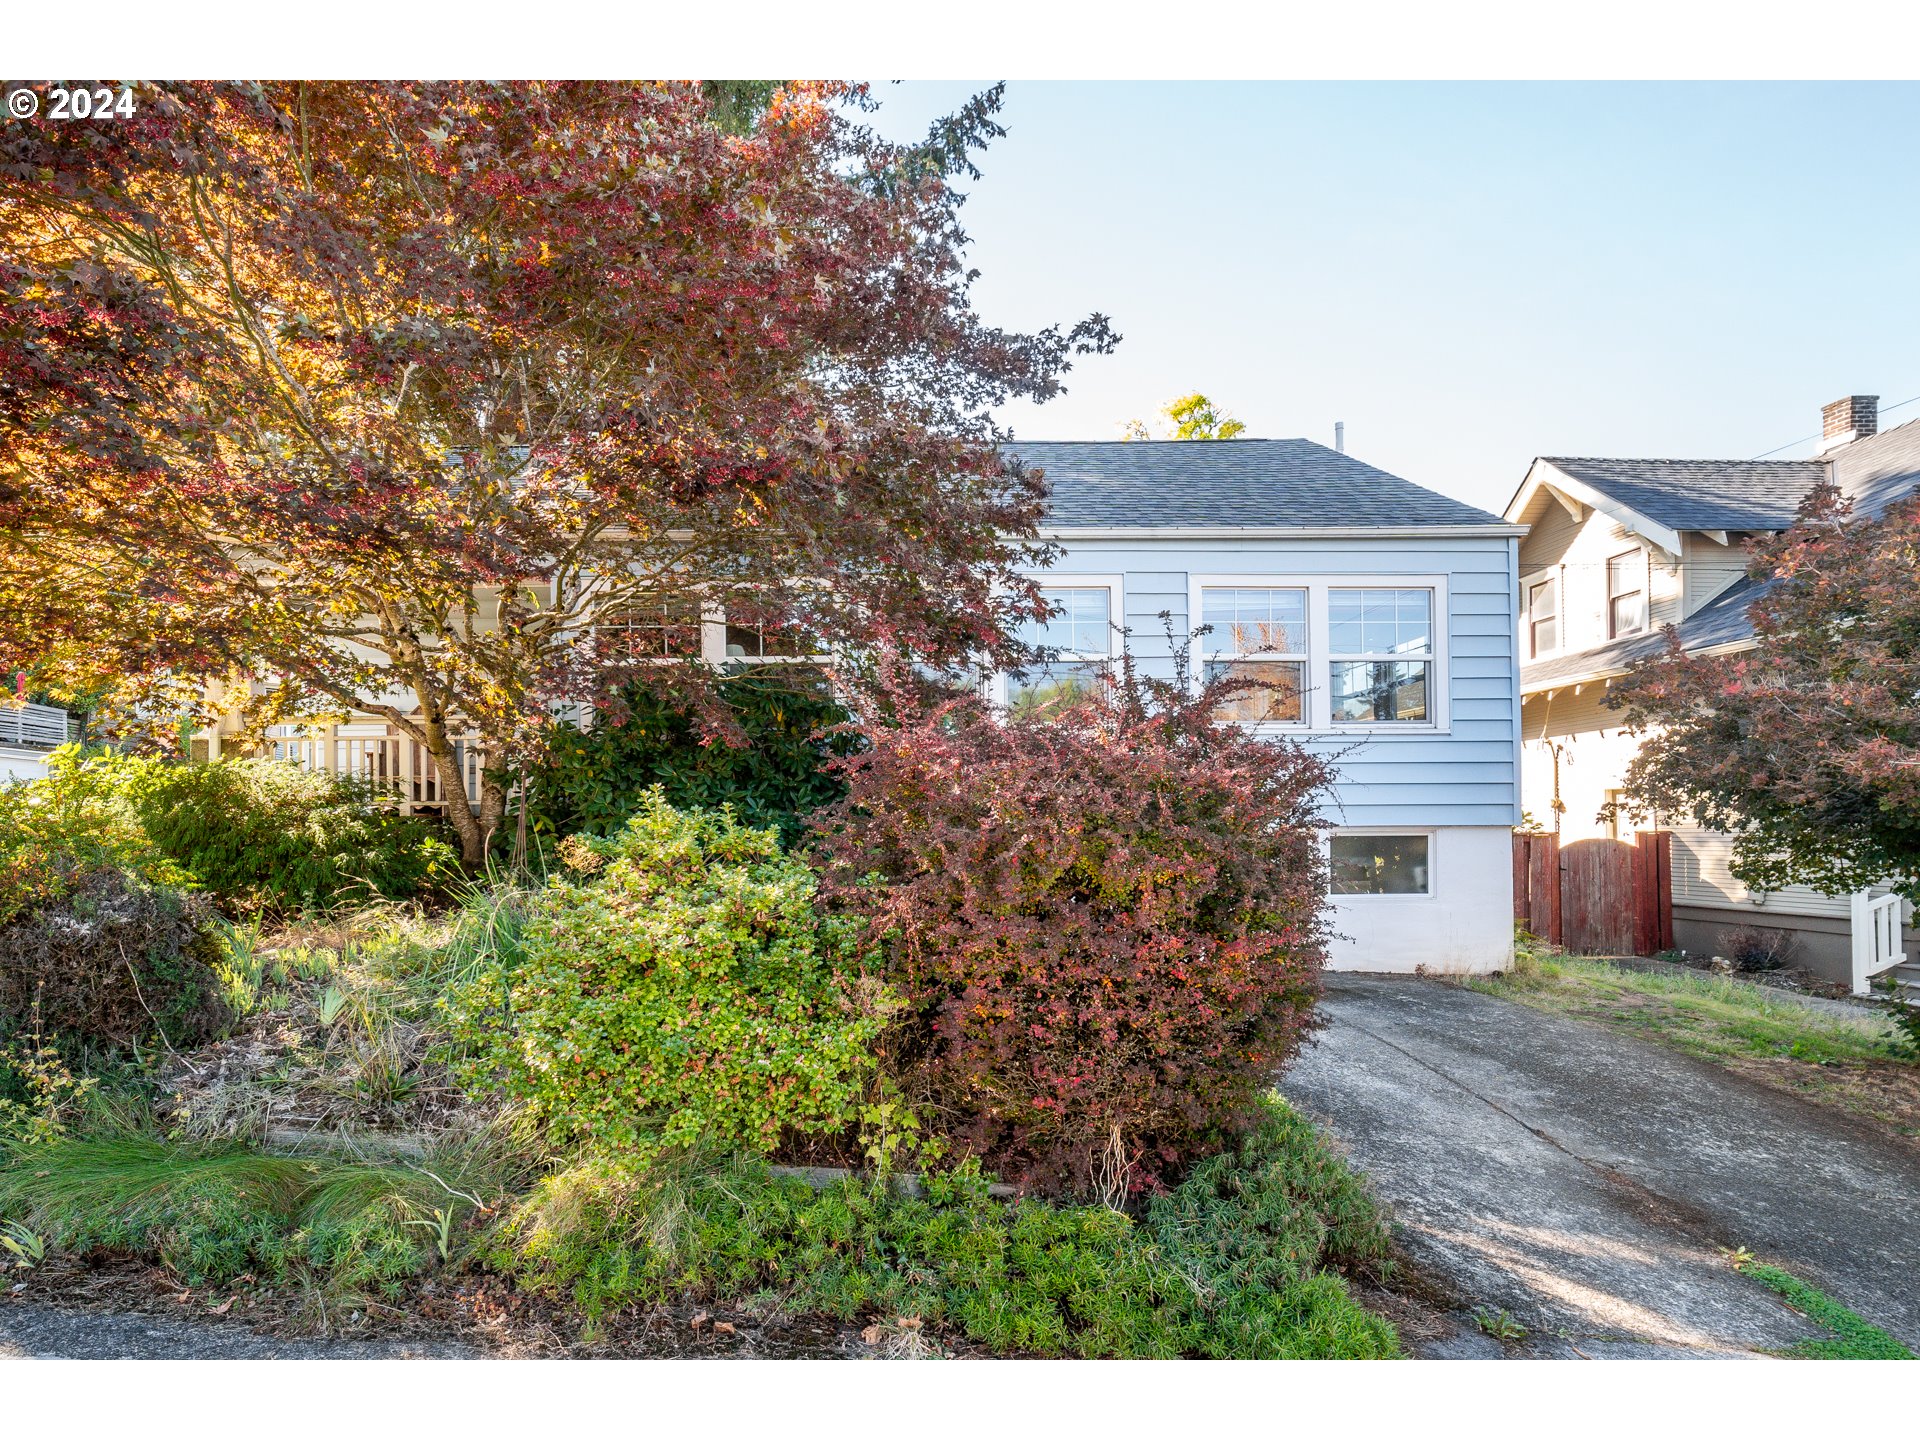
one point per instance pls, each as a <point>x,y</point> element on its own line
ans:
<point>1876,937</point>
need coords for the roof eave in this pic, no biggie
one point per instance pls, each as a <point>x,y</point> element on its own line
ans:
<point>1614,672</point>
<point>1275,532</point>
<point>1665,536</point>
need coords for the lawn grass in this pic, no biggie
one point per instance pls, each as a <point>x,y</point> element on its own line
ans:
<point>1712,1016</point>
<point>1852,1061</point>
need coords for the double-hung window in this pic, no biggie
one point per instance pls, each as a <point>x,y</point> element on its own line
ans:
<point>1325,652</point>
<point>1543,617</point>
<point>1626,594</point>
<point>1257,634</point>
<point>1073,647</point>
<point>1380,650</point>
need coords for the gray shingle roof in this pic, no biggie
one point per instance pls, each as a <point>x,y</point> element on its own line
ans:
<point>1877,472</point>
<point>1229,483</point>
<point>1701,494</point>
<point>1874,473</point>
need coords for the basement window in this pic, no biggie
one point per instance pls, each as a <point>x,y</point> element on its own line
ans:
<point>1381,864</point>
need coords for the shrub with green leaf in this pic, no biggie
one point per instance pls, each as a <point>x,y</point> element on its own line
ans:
<point>772,770</point>
<point>77,821</point>
<point>255,834</point>
<point>678,986</point>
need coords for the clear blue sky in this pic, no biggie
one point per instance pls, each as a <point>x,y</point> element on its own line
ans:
<point>1468,275</point>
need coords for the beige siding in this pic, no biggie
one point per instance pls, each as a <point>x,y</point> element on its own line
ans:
<point>1576,553</point>
<point>1708,568</point>
<point>1574,728</point>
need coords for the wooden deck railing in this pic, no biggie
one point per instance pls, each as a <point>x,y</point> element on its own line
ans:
<point>393,765</point>
<point>44,727</point>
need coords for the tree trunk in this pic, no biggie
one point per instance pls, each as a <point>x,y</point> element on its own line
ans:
<point>469,824</point>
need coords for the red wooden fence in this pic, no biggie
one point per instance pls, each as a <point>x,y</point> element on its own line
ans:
<point>1596,897</point>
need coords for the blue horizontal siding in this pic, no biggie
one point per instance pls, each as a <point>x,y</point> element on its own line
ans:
<point>1465,776</point>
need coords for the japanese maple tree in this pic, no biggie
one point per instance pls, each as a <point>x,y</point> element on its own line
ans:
<point>1806,748</point>
<point>391,396</point>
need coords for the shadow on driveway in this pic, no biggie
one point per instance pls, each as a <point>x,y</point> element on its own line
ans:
<point>1585,1181</point>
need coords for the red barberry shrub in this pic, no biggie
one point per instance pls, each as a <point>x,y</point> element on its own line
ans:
<point>1108,923</point>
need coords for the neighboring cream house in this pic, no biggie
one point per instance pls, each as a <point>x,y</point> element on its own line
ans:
<point>1619,549</point>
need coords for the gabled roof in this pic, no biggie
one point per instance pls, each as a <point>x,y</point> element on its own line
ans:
<point>1232,484</point>
<point>1700,494</point>
<point>1873,473</point>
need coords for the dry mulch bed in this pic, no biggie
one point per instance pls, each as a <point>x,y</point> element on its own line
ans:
<point>1881,1090</point>
<point>483,1311</point>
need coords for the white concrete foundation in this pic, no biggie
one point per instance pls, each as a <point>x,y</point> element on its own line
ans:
<point>1464,925</point>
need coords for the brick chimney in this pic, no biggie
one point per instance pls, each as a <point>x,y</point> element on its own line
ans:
<point>1853,417</point>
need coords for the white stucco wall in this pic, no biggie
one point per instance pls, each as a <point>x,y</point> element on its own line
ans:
<point>19,763</point>
<point>1464,925</point>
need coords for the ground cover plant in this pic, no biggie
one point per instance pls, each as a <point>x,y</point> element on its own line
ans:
<point>1242,1264</point>
<point>1106,925</point>
<point>1852,1061</point>
<point>1853,1337</point>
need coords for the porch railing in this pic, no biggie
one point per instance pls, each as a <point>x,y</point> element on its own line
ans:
<point>393,766</point>
<point>43,727</point>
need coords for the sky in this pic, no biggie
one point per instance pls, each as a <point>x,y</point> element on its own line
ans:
<point>1468,275</point>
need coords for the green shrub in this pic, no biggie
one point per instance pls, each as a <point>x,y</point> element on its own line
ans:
<point>77,821</point>
<point>263,834</point>
<point>113,960</point>
<point>1234,1268</point>
<point>1256,1225</point>
<point>256,834</point>
<point>592,781</point>
<point>682,989</point>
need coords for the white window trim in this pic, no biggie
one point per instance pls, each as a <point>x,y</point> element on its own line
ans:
<point>1432,892</point>
<point>1114,585</point>
<point>1645,592</point>
<point>1550,575</point>
<point>1317,700</point>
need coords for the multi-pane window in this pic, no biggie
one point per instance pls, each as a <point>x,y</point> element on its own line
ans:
<point>756,640</point>
<point>1543,618</point>
<point>659,631</point>
<point>1257,634</point>
<point>1626,594</point>
<point>1380,648</point>
<point>1380,864</point>
<point>1075,645</point>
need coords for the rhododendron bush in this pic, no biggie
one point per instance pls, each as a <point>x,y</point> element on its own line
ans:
<point>1107,925</point>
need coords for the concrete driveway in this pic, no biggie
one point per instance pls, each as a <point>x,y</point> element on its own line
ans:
<point>1584,1181</point>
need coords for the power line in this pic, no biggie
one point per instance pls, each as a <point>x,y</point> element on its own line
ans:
<point>1804,438</point>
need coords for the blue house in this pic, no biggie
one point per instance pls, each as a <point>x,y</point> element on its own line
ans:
<point>1384,610</point>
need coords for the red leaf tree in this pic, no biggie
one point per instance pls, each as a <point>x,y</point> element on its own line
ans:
<point>391,396</point>
<point>1108,923</point>
<point>1806,748</point>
